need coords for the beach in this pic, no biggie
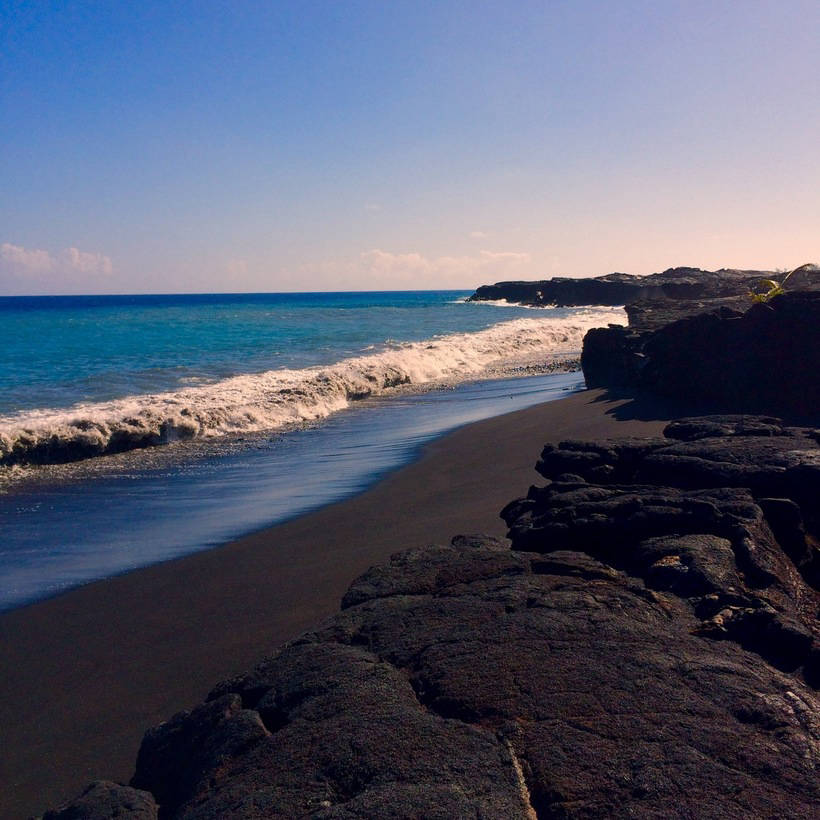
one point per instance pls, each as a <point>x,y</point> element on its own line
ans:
<point>211,412</point>
<point>87,672</point>
<point>409,411</point>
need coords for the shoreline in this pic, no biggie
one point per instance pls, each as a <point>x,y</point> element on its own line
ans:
<point>312,384</point>
<point>90,670</point>
<point>34,475</point>
<point>142,509</point>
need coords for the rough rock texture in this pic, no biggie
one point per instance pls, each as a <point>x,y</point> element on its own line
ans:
<point>502,684</point>
<point>695,335</point>
<point>647,648</point>
<point>613,356</point>
<point>760,360</point>
<point>329,729</point>
<point>104,800</point>
<point>767,359</point>
<point>722,512</point>
<point>671,286</point>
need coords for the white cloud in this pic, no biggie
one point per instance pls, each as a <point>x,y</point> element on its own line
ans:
<point>417,270</point>
<point>18,258</point>
<point>32,269</point>
<point>378,269</point>
<point>384,262</point>
<point>478,235</point>
<point>85,262</point>
<point>506,257</point>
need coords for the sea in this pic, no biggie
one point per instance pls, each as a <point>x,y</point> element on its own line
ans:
<point>135,429</point>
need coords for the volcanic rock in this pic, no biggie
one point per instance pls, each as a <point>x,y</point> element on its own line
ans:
<point>762,358</point>
<point>104,800</point>
<point>550,686</point>
<point>642,649</point>
<point>672,286</point>
<point>697,335</point>
<point>723,512</point>
<point>455,683</point>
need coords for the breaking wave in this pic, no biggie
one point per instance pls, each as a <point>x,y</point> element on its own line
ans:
<point>507,304</point>
<point>279,399</point>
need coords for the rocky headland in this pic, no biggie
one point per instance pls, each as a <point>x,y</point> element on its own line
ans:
<point>672,286</point>
<point>698,335</point>
<point>764,358</point>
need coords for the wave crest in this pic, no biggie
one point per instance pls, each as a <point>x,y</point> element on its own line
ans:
<point>279,399</point>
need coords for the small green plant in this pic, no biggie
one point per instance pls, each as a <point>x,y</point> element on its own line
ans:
<point>767,289</point>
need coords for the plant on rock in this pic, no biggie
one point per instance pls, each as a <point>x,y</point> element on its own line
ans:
<point>767,289</point>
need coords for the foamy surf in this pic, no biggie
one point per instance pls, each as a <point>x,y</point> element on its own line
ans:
<point>504,303</point>
<point>280,399</point>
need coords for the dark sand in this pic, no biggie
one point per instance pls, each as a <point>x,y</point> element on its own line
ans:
<point>84,674</point>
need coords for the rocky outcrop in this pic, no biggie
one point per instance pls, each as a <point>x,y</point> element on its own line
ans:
<point>760,360</point>
<point>613,356</point>
<point>722,512</point>
<point>672,286</point>
<point>646,648</point>
<point>104,800</point>
<point>696,335</point>
<point>767,359</point>
<point>612,289</point>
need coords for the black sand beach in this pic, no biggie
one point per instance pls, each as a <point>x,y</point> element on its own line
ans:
<point>86,673</point>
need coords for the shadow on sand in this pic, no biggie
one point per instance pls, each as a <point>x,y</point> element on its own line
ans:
<point>628,405</point>
<point>643,406</point>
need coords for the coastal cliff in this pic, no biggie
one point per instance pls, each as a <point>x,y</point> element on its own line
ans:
<point>764,358</point>
<point>645,644</point>
<point>674,284</point>
<point>697,335</point>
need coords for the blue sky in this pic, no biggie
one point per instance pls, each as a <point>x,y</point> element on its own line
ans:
<point>263,146</point>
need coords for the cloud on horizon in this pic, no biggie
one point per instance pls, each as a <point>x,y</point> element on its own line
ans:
<point>19,258</point>
<point>41,267</point>
<point>86,262</point>
<point>410,268</point>
<point>379,269</point>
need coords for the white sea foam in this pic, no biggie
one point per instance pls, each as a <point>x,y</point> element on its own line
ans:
<point>279,399</point>
<point>507,304</point>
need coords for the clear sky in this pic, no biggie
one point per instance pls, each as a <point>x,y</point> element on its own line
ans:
<point>262,146</point>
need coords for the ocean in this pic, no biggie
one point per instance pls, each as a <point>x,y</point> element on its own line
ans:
<point>134,429</point>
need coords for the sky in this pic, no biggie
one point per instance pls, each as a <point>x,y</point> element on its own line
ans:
<point>207,146</point>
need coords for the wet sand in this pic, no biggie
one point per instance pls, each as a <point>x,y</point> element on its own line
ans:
<point>84,674</point>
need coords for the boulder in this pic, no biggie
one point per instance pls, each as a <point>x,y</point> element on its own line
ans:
<point>761,360</point>
<point>722,511</point>
<point>104,800</point>
<point>566,688</point>
<point>346,736</point>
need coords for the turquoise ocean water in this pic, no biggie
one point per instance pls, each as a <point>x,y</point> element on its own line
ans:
<point>137,428</point>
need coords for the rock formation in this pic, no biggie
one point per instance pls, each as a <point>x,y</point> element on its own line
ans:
<point>762,360</point>
<point>696,335</point>
<point>648,647</point>
<point>671,286</point>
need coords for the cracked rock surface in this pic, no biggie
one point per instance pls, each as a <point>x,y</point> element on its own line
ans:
<point>644,649</point>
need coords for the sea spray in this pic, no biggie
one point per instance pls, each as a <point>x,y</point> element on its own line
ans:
<point>278,399</point>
